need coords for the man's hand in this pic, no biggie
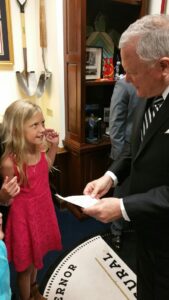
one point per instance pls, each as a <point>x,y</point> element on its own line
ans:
<point>9,189</point>
<point>107,210</point>
<point>99,187</point>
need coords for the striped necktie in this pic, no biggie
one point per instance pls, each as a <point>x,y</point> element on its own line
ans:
<point>150,114</point>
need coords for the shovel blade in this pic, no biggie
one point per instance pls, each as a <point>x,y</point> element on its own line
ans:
<point>42,83</point>
<point>27,83</point>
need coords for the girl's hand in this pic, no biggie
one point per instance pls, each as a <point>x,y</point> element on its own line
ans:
<point>52,136</point>
<point>9,189</point>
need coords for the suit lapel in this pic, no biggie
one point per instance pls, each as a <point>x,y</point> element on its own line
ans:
<point>161,117</point>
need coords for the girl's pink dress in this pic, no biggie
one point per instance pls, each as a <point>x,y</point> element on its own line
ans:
<point>32,229</point>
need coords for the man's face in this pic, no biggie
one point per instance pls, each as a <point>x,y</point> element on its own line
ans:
<point>147,79</point>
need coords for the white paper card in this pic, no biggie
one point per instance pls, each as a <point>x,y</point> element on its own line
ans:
<point>81,200</point>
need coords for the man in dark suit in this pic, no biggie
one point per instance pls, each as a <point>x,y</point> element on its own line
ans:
<point>123,104</point>
<point>145,58</point>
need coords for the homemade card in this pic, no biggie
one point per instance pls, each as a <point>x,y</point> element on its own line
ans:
<point>81,200</point>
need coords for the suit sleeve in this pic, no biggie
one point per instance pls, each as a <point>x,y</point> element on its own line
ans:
<point>121,167</point>
<point>118,117</point>
<point>150,206</point>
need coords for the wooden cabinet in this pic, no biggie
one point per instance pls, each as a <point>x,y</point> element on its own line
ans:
<point>86,161</point>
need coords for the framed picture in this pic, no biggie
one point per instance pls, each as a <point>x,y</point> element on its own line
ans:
<point>6,44</point>
<point>93,62</point>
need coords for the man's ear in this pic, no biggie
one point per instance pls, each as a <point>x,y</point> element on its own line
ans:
<point>164,64</point>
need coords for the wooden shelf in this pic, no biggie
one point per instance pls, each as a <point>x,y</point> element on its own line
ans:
<point>101,81</point>
<point>104,143</point>
<point>132,2</point>
<point>61,150</point>
<point>93,147</point>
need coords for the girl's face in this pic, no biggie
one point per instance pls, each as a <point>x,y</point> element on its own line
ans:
<point>34,129</point>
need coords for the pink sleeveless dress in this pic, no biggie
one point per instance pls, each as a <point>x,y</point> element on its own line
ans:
<point>32,229</point>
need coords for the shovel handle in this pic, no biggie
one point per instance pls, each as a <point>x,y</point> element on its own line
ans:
<point>43,36</point>
<point>22,15</point>
<point>22,5</point>
<point>23,30</point>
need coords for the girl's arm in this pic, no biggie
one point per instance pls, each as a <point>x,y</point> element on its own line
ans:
<point>52,137</point>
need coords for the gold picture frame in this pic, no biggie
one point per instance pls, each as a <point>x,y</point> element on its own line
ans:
<point>6,42</point>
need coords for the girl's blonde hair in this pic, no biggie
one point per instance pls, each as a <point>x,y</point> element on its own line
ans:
<point>13,137</point>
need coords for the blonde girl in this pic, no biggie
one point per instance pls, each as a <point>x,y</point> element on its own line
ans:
<point>32,229</point>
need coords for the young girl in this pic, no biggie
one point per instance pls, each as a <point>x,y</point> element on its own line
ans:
<point>5,290</point>
<point>32,228</point>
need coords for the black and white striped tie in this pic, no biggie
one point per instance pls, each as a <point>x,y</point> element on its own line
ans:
<point>150,114</point>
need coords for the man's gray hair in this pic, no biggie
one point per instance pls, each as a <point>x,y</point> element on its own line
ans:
<point>150,34</point>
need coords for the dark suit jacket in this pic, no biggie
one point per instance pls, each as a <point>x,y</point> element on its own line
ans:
<point>148,164</point>
<point>122,108</point>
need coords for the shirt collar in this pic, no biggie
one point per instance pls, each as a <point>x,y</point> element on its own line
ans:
<point>165,93</point>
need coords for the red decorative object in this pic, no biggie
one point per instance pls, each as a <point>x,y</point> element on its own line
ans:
<point>163,6</point>
<point>108,68</point>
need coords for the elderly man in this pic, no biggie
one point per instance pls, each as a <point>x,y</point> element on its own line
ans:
<point>145,58</point>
